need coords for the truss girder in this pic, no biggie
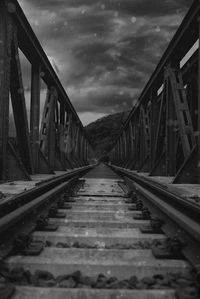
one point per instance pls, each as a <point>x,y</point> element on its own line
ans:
<point>164,125</point>
<point>46,139</point>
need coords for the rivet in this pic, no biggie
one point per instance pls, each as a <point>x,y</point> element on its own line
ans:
<point>11,7</point>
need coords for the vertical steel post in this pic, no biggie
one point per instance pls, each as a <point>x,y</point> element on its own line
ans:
<point>76,143</point>
<point>62,130</point>
<point>5,58</point>
<point>124,147</point>
<point>170,129</point>
<point>198,162</point>
<point>131,138</point>
<point>86,150</point>
<point>118,151</point>
<point>153,125</point>
<point>51,132</point>
<point>81,146</point>
<point>127,137</point>
<point>35,114</point>
<point>121,150</point>
<point>115,155</point>
<point>19,106</point>
<point>69,140</point>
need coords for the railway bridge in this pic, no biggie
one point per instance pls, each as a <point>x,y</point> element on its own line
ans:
<point>71,227</point>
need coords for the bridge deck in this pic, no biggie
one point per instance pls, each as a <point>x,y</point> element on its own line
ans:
<point>100,238</point>
<point>191,192</point>
<point>12,188</point>
<point>102,171</point>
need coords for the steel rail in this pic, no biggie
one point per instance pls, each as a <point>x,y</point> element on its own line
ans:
<point>189,225</point>
<point>23,198</point>
<point>19,214</point>
<point>184,213</point>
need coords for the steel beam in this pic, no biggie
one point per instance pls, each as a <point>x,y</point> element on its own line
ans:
<point>183,40</point>
<point>33,152</point>
<point>19,107</point>
<point>198,159</point>
<point>170,130</point>
<point>5,57</point>
<point>35,114</point>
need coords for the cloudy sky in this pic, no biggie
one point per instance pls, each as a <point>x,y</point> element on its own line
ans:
<point>104,51</point>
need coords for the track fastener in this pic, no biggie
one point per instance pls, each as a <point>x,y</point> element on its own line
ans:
<point>155,226</point>
<point>25,245</point>
<point>44,225</point>
<point>67,197</point>
<point>54,213</point>
<point>171,248</point>
<point>145,215</point>
<point>62,205</point>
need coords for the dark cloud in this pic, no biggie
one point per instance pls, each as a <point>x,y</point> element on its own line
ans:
<point>104,51</point>
<point>151,8</point>
<point>135,7</point>
<point>107,101</point>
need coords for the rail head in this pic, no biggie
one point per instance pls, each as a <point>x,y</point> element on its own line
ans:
<point>23,211</point>
<point>178,209</point>
<point>29,195</point>
<point>160,189</point>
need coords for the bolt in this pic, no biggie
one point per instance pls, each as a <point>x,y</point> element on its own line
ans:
<point>11,7</point>
<point>139,204</point>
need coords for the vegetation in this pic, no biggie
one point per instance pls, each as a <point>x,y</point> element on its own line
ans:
<point>104,131</point>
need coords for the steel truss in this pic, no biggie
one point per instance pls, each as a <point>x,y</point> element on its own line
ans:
<point>60,142</point>
<point>161,135</point>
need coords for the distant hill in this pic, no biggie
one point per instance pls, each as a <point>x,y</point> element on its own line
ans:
<point>103,132</point>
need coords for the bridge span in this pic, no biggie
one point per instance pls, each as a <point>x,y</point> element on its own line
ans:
<point>72,227</point>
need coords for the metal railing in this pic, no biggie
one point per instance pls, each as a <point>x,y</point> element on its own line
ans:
<point>161,135</point>
<point>59,142</point>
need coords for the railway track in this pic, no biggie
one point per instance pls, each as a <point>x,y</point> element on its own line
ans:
<point>98,237</point>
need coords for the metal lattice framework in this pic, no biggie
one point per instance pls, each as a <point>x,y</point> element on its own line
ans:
<point>60,142</point>
<point>161,135</point>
